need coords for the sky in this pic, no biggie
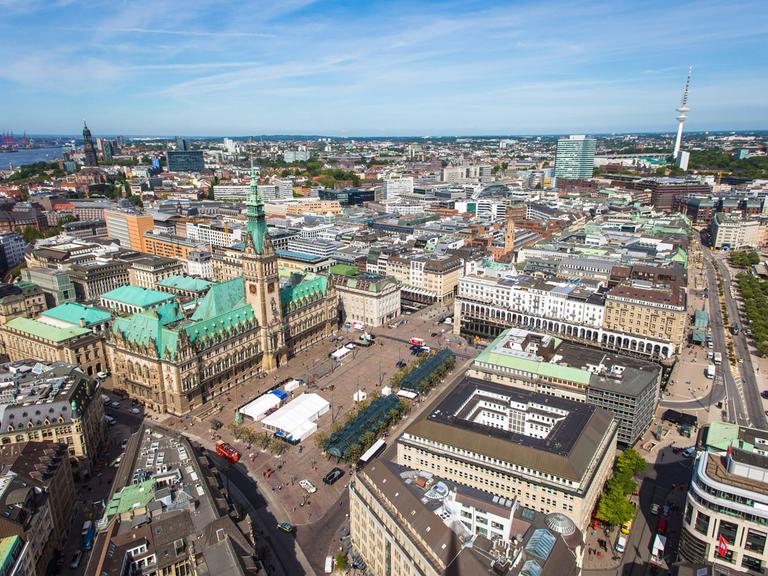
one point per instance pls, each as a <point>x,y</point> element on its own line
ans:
<point>200,67</point>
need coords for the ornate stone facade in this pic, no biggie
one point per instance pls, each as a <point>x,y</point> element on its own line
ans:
<point>242,327</point>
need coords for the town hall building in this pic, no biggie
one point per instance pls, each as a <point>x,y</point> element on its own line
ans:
<point>174,361</point>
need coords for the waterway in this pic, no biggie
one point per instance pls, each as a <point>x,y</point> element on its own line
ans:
<point>23,157</point>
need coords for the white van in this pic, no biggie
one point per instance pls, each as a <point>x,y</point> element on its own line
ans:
<point>329,564</point>
<point>711,371</point>
<point>621,544</point>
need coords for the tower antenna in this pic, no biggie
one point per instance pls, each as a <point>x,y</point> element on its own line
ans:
<point>682,115</point>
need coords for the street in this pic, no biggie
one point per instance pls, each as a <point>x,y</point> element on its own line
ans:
<point>749,393</point>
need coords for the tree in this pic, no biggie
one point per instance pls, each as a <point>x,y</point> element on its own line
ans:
<point>341,562</point>
<point>630,462</point>
<point>614,508</point>
<point>320,439</point>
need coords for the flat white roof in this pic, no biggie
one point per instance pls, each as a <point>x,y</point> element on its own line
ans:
<point>259,406</point>
<point>292,417</point>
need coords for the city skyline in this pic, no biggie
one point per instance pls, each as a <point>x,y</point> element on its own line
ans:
<point>388,69</point>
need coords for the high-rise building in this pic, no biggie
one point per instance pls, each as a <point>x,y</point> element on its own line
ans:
<point>128,228</point>
<point>575,157</point>
<point>185,160</point>
<point>90,150</point>
<point>105,146</point>
<point>395,187</point>
<point>182,144</point>
<point>11,250</point>
<point>300,155</point>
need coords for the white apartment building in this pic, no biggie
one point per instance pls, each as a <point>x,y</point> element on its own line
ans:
<point>484,306</point>
<point>214,233</point>
<point>283,188</point>
<point>371,299</point>
<point>395,187</point>
<point>543,298</point>
<point>734,233</point>
<point>200,264</point>
<point>267,191</point>
<point>300,155</point>
<point>315,231</point>
<point>231,192</point>
<point>314,246</point>
<point>453,174</point>
<point>12,246</point>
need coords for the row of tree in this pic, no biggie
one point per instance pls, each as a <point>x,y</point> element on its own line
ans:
<point>614,507</point>
<point>744,258</point>
<point>263,440</point>
<point>755,295</point>
<point>367,438</point>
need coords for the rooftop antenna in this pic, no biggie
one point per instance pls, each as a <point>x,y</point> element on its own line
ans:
<point>682,115</point>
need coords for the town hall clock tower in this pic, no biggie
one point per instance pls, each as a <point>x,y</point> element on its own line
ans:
<point>262,284</point>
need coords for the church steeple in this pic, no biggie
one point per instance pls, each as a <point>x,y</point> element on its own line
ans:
<point>257,222</point>
<point>91,159</point>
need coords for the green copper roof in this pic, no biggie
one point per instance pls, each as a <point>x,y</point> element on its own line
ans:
<point>222,297</point>
<point>721,435</point>
<point>46,331</point>
<point>136,296</point>
<point>311,285</point>
<point>344,270</point>
<point>72,314</point>
<point>254,210</point>
<point>131,497</point>
<point>542,369</point>
<point>225,321</point>
<point>681,257</point>
<point>186,283</point>
<point>150,325</point>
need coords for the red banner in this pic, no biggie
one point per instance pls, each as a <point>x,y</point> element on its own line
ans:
<point>722,547</point>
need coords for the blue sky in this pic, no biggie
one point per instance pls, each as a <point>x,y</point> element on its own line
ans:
<point>199,67</point>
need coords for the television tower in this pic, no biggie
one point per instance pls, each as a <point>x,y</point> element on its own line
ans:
<point>683,114</point>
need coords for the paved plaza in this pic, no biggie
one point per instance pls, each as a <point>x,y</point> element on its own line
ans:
<point>366,370</point>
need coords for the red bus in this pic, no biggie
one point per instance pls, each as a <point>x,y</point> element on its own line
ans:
<point>417,341</point>
<point>226,450</point>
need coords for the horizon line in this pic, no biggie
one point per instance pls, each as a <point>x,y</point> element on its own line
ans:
<point>385,136</point>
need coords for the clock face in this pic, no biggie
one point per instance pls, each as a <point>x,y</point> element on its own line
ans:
<point>252,288</point>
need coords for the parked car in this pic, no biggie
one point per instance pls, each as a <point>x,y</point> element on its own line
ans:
<point>626,528</point>
<point>308,486</point>
<point>76,558</point>
<point>764,394</point>
<point>136,410</point>
<point>286,527</point>
<point>401,364</point>
<point>102,375</point>
<point>114,404</point>
<point>333,476</point>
